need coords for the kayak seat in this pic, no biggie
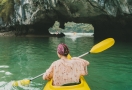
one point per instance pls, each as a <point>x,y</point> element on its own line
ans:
<point>70,84</point>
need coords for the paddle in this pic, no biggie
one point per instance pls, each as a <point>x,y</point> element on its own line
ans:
<point>99,47</point>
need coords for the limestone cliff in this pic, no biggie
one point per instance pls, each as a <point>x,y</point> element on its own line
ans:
<point>110,18</point>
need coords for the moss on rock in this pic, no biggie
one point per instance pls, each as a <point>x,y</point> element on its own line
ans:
<point>6,9</point>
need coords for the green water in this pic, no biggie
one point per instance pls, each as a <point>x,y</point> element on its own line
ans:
<point>22,58</point>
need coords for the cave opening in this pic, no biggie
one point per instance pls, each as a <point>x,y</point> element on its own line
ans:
<point>72,28</point>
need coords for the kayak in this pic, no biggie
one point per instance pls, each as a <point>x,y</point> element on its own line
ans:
<point>82,86</point>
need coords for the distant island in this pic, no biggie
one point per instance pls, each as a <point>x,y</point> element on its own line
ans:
<point>71,27</point>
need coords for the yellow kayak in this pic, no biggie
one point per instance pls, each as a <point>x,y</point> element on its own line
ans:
<point>82,86</point>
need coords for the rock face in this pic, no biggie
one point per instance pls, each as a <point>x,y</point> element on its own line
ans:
<point>110,18</point>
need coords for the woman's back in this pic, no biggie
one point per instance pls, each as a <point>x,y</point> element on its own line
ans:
<point>68,71</point>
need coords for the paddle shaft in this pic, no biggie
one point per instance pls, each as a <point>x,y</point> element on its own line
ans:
<point>84,54</point>
<point>36,76</point>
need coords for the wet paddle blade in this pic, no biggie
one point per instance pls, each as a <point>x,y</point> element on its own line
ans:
<point>21,82</point>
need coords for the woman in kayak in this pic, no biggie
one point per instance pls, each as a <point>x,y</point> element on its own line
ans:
<point>64,71</point>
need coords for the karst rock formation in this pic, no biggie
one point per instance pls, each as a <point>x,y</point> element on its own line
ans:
<point>110,18</point>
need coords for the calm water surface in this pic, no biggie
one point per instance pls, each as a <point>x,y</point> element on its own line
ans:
<point>28,57</point>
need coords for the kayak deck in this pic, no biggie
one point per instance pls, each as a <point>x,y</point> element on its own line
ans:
<point>82,86</point>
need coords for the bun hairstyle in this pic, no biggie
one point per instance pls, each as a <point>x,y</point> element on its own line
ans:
<point>62,49</point>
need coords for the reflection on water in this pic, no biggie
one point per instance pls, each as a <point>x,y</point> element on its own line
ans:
<point>25,58</point>
<point>74,36</point>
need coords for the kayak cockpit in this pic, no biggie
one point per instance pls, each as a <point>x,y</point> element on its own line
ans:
<point>80,86</point>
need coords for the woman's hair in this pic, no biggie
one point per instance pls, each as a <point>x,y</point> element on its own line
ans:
<point>62,49</point>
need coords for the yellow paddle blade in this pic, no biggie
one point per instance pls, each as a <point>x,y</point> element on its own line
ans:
<point>103,45</point>
<point>69,56</point>
<point>21,82</point>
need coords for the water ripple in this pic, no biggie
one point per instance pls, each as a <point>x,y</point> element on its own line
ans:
<point>4,66</point>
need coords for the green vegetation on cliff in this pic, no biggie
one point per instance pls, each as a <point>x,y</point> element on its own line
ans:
<point>6,9</point>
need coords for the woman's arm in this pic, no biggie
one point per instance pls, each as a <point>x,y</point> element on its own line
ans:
<point>84,63</point>
<point>49,73</point>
